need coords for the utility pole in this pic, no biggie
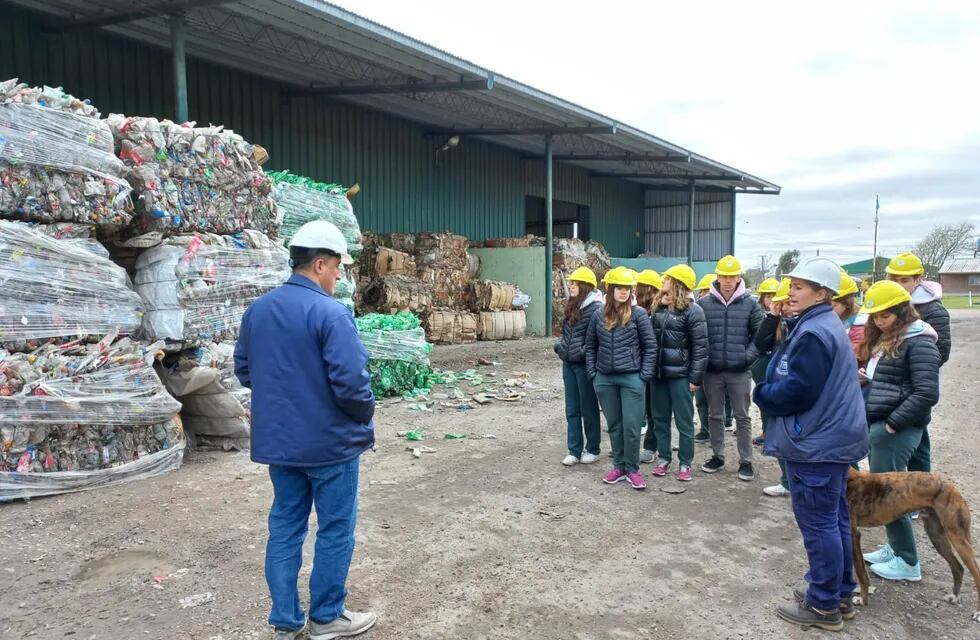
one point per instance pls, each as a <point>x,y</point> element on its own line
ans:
<point>874,250</point>
<point>764,263</point>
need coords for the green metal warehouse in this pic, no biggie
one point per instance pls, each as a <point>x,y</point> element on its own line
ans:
<point>437,143</point>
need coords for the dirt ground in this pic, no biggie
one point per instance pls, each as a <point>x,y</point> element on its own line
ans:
<point>486,538</point>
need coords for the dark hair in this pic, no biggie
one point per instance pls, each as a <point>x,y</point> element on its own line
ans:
<point>645,296</point>
<point>850,304</point>
<point>303,257</point>
<point>573,308</point>
<point>875,341</point>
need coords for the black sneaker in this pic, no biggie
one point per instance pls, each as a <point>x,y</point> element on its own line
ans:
<point>746,472</point>
<point>806,616</point>
<point>713,465</point>
<point>847,609</point>
<point>702,437</point>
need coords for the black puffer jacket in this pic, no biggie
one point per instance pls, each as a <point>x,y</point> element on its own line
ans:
<point>731,329</point>
<point>905,388</point>
<point>629,349</point>
<point>571,347</point>
<point>682,343</point>
<point>937,316</point>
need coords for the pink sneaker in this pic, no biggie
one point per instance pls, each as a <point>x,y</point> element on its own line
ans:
<point>614,476</point>
<point>636,480</point>
<point>661,469</point>
<point>684,473</point>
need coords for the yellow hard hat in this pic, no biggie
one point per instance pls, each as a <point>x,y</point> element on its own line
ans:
<point>706,281</point>
<point>782,291</point>
<point>650,278</point>
<point>729,266</point>
<point>621,277</point>
<point>847,286</point>
<point>584,274</point>
<point>685,275</point>
<point>905,264</point>
<point>884,295</point>
<point>769,285</point>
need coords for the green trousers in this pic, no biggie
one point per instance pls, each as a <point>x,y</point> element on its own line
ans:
<point>758,376</point>
<point>892,452</point>
<point>622,398</point>
<point>672,397</point>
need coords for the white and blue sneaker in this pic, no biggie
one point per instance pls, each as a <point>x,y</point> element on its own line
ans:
<point>882,555</point>
<point>897,569</point>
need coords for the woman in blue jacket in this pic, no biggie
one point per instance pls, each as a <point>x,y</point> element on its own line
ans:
<point>581,404</point>
<point>620,356</point>
<point>817,425</point>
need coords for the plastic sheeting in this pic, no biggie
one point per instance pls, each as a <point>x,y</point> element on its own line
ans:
<point>399,353</point>
<point>58,288</point>
<point>57,162</point>
<point>188,178</point>
<point>196,288</point>
<point>303,200</point>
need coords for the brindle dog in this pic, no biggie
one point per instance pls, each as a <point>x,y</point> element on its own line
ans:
<point>876,499</point>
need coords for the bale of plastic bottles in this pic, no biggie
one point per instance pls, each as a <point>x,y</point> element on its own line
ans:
<point>399,353</point>
<point>303,200</point>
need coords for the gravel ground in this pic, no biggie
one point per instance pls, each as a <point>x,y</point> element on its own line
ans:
<point>486,538</point>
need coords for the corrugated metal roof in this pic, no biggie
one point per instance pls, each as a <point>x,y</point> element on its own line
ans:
<point>961,265</point>
<point>314,45</point>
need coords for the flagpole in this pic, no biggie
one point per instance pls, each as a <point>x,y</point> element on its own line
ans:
<point>874,250</point>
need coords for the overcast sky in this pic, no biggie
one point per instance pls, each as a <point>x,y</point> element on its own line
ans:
<point>835,102</point>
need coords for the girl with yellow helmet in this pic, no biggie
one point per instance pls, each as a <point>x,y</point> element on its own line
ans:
<point>900,363</point>
<point>848,310</point>
<point>648,286</point>
<point>620,354</point>
<point>581,404</point>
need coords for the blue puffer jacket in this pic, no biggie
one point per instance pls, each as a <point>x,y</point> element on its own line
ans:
<point>732,324</point>
<point>629,349</point>
<point>571,347</point>
<point>299,352</point>
<point>812,395</point>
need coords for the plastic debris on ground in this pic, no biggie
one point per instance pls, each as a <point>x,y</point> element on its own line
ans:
<point>217,409</point>
<point>196,288</point>
<point>55,288</point>
<point>187,178</point>
<point>79,416</point>
<point>57,162</point>
<point>303,199</point>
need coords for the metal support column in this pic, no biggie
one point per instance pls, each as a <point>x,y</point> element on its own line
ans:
<point>177,27</point>
<point>690,228</point>
<point>732,247</point>
<point>548,235</point>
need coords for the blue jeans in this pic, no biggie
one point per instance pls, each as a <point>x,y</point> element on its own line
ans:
<point>581,410</point>
<point>819,493</point>
<point>333,490</point>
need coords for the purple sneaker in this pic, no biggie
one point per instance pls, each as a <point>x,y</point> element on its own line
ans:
<point>663,466</point>
<point>636,480</point>
<point>684,474</point>
<point>614,476</point>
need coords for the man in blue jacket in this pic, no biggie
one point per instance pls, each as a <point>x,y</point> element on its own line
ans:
<point>312,418</point>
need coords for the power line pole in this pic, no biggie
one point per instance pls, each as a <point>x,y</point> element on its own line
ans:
<point>874,250</point>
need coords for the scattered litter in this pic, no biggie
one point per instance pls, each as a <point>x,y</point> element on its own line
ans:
<point>673,488</point>
<point>454,436</point>
<point>419,406</point>
<point>196,600</point>
<point>460,406</point>
<point>486,436</point>
<point>383,483</point>
<point>488,363</point>
<point>418,451</point>
<point>509,395</point>
<point>160,579</point>
<point>414,436</point>
<point>482,398</point>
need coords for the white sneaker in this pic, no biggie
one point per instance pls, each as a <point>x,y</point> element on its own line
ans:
<point>588,458</point>
<point>776,491</point>
<point>646,455</point>
<point>730,429</point>
<point>643,430</point>
<point>570,460</point>
<point>349,624</point>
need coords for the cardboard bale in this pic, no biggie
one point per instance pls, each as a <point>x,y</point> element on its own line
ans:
<point>493,296</point>
<point>445,326</point>
<point>502,325</point>
<point>392,294</point>
<point>444,250</point>
<point>389,262</point>
<point>450,287</point>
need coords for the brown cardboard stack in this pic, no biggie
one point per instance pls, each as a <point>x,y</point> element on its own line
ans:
<point>446,326</point>
<point>502,325</point>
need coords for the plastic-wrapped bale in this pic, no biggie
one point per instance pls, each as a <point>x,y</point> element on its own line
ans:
<point>398,293</point>
<point>445,326</point>
<point>502,325</point>
<point>399,352</point>
<point>197,287</point>
<point>55,289</point>
<point>303,200</point>
<point>217,409</point>
<point>493,296</point>
<point>82,416</point>
<point>57,162</point>
<point>345,291</point>
<point>188,179</point>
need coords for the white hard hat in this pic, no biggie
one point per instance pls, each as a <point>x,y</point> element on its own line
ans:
<point>320,234</point>
<point>820,271</point>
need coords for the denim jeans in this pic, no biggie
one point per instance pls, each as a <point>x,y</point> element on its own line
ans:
<point>333,491</point>
<point>581,410</point>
